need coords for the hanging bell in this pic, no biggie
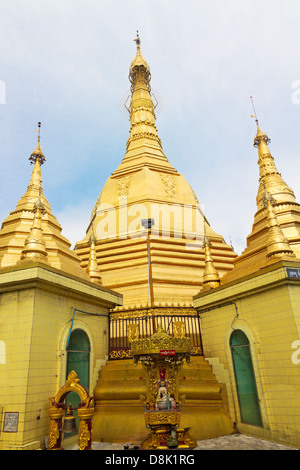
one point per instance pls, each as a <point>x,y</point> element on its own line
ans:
<point>69,422</point>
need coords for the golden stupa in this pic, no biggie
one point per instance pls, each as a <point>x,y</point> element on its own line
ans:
<point>32,233</point>
<point>276,229</point>
<point>147,186</point>
<point>149,229</point>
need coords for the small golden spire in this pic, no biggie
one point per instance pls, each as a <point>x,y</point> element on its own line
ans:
<point>35,187</point>
<point>92,268</point>
<point>35,247</point>
<point>277,244</point>
<point>37,153</point>
<point>211,278</point>
<point>268,171</point>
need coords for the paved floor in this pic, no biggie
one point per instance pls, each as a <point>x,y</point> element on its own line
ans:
<point>231,442</point>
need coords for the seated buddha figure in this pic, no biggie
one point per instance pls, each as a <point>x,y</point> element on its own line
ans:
<point>163,399</point>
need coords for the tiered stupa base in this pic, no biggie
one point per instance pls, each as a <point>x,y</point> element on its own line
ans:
<point>119,414</point>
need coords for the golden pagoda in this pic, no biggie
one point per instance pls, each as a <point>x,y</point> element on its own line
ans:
<point>168,256</point>
<point>33,213</point>
<point>283,208</point>
<point>149,228</point>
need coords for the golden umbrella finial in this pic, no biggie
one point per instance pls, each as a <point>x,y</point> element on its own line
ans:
<point>37,153</point>
<point>137,39</point>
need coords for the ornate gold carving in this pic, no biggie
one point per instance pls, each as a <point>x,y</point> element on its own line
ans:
<point>157,311</point>
<point>55,412</point>
<point>72,385</point>
<point>85,412</point>
<point>144,135</point>
<point>133,332</point>
<point>164,354</point>
<point>162,414</point>
<point>123,187</point>
<point>152,382</point>
<point>53,434</point>
<point>172,377</point>
<point>84,435</point>
<point>120,354</point>
<point>196,350</point>
<point>160,341</point>
<point>154,418</point>
<point>179,329</point>
<point>169,184</point>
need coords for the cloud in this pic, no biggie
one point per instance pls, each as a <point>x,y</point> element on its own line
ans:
<point>75,220</point>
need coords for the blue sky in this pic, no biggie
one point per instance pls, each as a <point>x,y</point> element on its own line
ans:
<point>65,63</point>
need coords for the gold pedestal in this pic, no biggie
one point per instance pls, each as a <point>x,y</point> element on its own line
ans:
<point>165,432</point>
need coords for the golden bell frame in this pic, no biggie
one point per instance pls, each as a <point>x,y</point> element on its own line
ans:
<point>85,414</point>
<point>163,356</point>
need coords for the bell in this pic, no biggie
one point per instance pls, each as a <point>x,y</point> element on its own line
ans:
<point>69,422</point>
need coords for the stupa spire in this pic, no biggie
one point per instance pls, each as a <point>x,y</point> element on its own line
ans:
<point>277,244</point>
<point>24,237</point>
<point>35,246</point>
<point>268,172</point>
<point>211,278</point>
<point>92,267</point>
<point>144,147</point>
<point>35,187</point>
<point>142,115</point>
<point>275,232</point>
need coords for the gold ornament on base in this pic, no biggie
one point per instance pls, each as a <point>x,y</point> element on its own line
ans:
<point>162,356</point>
<point>85,412</point>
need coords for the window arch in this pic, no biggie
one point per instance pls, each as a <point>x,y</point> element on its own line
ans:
<point>245,378</point>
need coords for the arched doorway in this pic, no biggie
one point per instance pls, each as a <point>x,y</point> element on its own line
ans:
<point>245,379</point>
<point>78,360</point>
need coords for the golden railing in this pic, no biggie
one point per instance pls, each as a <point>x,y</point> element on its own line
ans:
<point>147,321</point>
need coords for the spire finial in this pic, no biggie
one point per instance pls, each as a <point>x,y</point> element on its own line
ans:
<point>38,130</point>
<point>139,65</point>
<point>260,135</point>
<point>137,40</point>
<point>37,153</point>
<point>254,115</point>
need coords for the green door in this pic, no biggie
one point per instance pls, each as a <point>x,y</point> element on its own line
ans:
<point>245,379</point>
<point>78,359</point>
